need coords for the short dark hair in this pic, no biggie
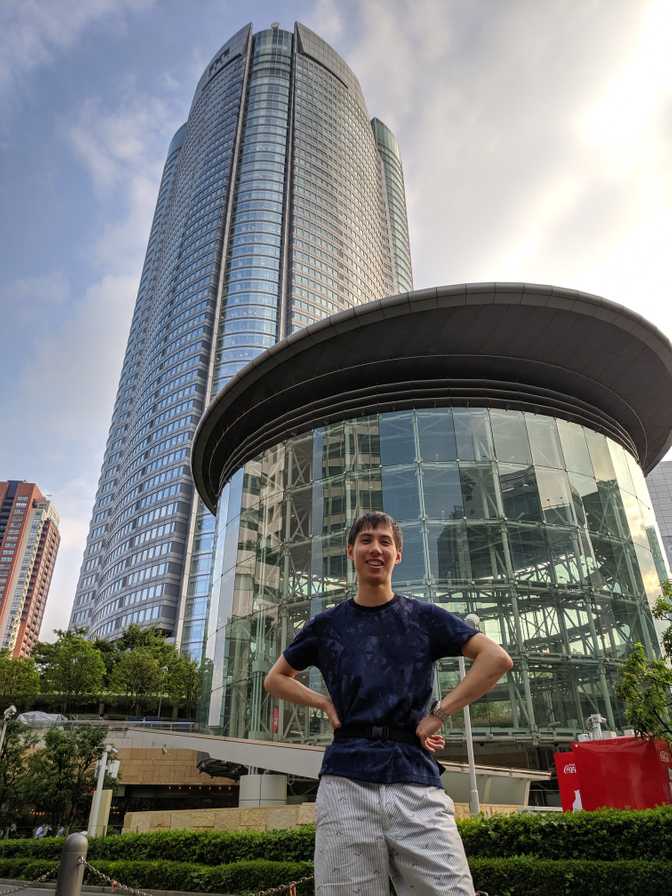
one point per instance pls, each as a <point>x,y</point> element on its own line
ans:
<point>371,519</point>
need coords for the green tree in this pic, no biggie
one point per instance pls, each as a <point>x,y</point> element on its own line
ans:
<point>71,666</point>
<point>60,776</point>
<point>137,673</point>
<point>182,682</point>
<point>645,685</point>
<point>19,741</point>
<point>19,678</point>
<point>152,639</point>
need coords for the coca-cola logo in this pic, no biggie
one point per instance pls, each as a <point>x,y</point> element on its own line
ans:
<point>570,768</point>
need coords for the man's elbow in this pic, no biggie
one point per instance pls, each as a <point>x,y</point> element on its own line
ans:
<point>504,662</point>
<point>268,682</point>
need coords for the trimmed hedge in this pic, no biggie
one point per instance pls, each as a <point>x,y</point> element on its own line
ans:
<point>26,869</point>
<point>518,876</point>
<point>197,847</point>
<point>237,877</point>
<point>526,876</point>
<point>610,835</point>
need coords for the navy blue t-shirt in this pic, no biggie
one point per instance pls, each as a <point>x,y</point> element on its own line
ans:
<point>377,664</point>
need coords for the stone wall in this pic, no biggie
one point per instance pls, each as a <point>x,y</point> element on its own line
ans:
<point>265,818</point>
<point>140,765</point>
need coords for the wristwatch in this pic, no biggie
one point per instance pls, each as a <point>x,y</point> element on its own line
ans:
<point>435,710</point>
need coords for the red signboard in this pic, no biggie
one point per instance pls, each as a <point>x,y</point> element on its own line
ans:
<point>623,772</point>
<point>568,780</point>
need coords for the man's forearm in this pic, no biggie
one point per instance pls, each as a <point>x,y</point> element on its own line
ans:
<point>485,672</point>
<point>292,690</point>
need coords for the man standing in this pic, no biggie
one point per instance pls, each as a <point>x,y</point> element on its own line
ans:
<point>381,809</point>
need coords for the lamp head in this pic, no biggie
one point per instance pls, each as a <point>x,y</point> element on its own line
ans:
<point>10,713</point>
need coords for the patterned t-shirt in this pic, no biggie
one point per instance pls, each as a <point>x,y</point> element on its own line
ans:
<point>377,664</point>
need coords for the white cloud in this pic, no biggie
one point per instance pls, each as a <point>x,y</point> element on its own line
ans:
<point>33,32</point>
<point>61,405</point>
<point>70,383</point>
<point>535,138</point>
<point>73,501</point>
<point>123,151</point>
<point>26,302</point>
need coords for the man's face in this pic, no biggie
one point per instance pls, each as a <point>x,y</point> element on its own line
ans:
<point>374,555</point>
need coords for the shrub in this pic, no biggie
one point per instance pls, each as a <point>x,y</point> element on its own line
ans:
<point>257,874</point>
<point>526,876</point>
<point>610,834</point>
<point>517,876</point>
<point>26,869</point>
<point>209,847</point>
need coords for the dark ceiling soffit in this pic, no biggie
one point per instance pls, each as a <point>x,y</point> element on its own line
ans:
<point>302,415</point>
<point>287,408</point>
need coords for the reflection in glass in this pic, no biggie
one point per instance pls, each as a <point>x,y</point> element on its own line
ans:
<point>557,565</point>
<point>520,498</point>
<point>400,493</point>
<point>473,434</point>
<point>544,441</point>
<point>529,554</point>
<point>436,435</point>
<point>574,448</point>
<point>622,468</point>
<point>412,566</point>
<point>487,553</point>
<point>442,493</point>
<point>510,435</point>
<point>397,439</point>
<point>479,493</point>
<point>555,497</point>
<point>600,457</point>
<point>448,553</point>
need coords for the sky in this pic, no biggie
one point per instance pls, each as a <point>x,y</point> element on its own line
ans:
<point>536,138</point>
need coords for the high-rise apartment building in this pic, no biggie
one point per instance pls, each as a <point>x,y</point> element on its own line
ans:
<point>281,203</point>
<point>29,540</point>
<point>659,482</point>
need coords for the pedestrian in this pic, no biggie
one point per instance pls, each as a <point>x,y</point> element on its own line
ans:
<point>381,809</point>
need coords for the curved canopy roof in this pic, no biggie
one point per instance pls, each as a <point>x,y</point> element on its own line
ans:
<point>513,345</point>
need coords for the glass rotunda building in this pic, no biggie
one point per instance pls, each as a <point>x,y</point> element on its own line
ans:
<point>508,428</point>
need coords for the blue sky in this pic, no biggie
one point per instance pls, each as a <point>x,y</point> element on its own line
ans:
<point>536,137</point>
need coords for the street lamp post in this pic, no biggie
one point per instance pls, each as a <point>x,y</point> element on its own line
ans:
<point>164,670</point>
<point>98,792</point>
<point>474,801</point>
<point>7,716</point>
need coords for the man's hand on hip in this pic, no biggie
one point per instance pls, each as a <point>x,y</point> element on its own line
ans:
<point>330,710</point>
<point>428,732</point>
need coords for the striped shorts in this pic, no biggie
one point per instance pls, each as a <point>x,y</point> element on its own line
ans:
<point>368,834</point>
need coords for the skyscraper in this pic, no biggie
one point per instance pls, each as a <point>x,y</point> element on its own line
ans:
<point>659,482</point>
<point>29,540</point>
<point>281,202</point>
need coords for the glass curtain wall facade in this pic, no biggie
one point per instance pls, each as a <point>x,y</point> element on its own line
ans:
<point>395,192</point>
<point>272,213</point>
<point>659,482</point>
<point>541,527</point>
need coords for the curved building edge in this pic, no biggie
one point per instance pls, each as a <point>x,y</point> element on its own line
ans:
<point>534,347</point>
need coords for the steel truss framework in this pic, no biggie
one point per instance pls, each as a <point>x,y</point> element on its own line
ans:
<point>559,571</point>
